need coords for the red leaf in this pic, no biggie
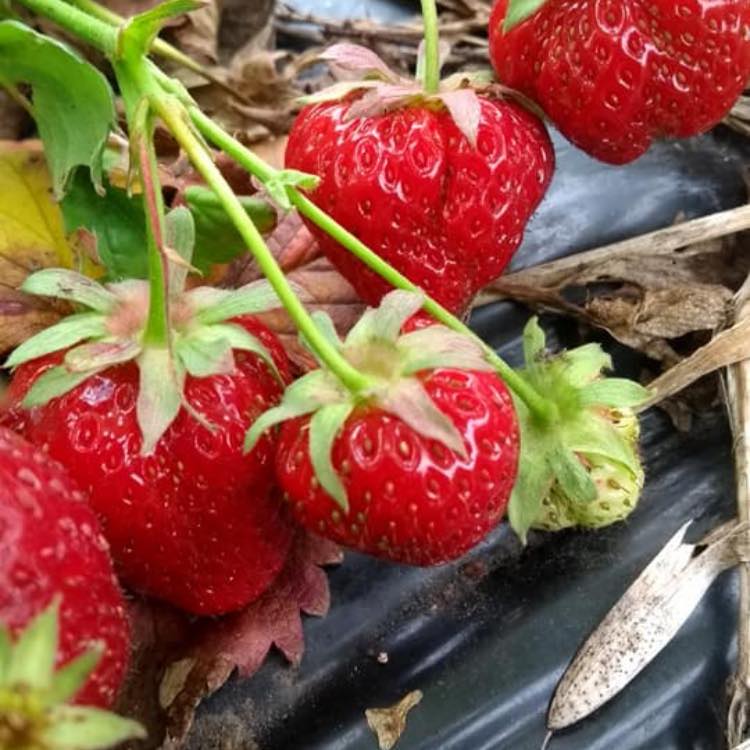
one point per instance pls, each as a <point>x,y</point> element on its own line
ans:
<point>179,661</point>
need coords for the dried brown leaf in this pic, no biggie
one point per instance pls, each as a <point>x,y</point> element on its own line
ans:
<point>641,624</point>
<point>180,661</point>
<point>663,293</point>
<point>389,723</point>
<point>197,33</point>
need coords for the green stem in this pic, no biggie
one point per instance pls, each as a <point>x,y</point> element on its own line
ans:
<point>431,47</point>
<point>349,376</point>
<point>135,83</point>
<point>98,34</point>
<point>538,405</point>
<point>158,47</point>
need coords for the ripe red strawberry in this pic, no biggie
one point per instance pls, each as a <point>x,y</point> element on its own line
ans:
<point>615,74</point>
<point>196,522</point>
<point>411,499</point>
<point>51,546</point>
<point>409,183</point>
<point>419,468</point>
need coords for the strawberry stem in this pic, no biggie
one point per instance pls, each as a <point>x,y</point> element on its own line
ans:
<point>542,408</point>
<point>174,117</point>
<point>158,47</point>
<point>97,33</point>
<point>135,79</point>
<point>431,47</point>
<point>104,37</point>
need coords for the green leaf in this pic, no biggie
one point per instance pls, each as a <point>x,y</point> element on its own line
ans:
<point>55,382</point>
<point>617,393</point>
<point>438,346</point>
<point>216,238</point>
<point>278,186</point>
<point>324,323</point>
<point>159,395</point>
<point>519,11</point>
<point>597,436</point>
<point>304,396</point>
<point>73,103</point>
<point>180,239</point>
<point>70,679</point>
<point>585,364</point>
<point>64,284</point>
<point>6,651</point>
<point>384,323</point>
<point>219,305</point>
<point>324,428</point>
<point>76,728</point>
<point>204,355</point>
<point>33,662</point>
<point>409,401</point>
<point>68,332</point>
<point>571,475</point>
<point>242,340</point>
<point>534,347</point>
<point>535,477</point>
<point>116,220</point>
<point>100,355</point>
<point>138,34</point>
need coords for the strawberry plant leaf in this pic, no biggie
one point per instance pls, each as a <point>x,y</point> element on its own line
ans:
<point>159,394</point>
<point>216,238</point>
<point>218,305</point>
<point>614,392</point>
<point>178,662</point>
<point>68,680</point>
<point>324,428</point>
<point>67,332</point>
<point>72,102</point>
<point>77,728</point>
<point>101,354</point>
<point>70,285</point>
<point>56,381</point>
<point>519,11</point>
<point>117,222</point>
<point>571,475</point>
<point>466,110</point>
<point>35,651</point>
<point>140,31</point>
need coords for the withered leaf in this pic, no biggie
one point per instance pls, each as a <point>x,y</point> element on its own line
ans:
<point>641,624</point>
<point>31,237</point>
<point>648,292</point>
<point>389,723</point>
<point>179,661</point>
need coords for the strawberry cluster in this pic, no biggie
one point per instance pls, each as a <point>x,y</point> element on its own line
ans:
<point>160,432</point>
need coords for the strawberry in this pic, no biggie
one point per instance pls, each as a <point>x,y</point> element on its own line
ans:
<point>444,202</point>
<point>195,523</point>
<point>51,547</point>
<point>613,75</point>
<point>158,443</point>
<point>418,471</point>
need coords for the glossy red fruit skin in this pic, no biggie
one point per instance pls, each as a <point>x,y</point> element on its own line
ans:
<point>51,545</point>
<point>197,523</point>
<point>613,75</point>
<point>412,500</point>
<point>411,187</point>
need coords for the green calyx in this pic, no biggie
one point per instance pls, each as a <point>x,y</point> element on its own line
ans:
<point>582,468</point>
<point>110,330</point>
<point>383,89</point>
<point>34,710</point>
<point>392,361</point>
<point>519,11</point>
<point>618,484</point>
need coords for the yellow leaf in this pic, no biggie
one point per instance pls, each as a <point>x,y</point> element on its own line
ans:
<point>32,236</point>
